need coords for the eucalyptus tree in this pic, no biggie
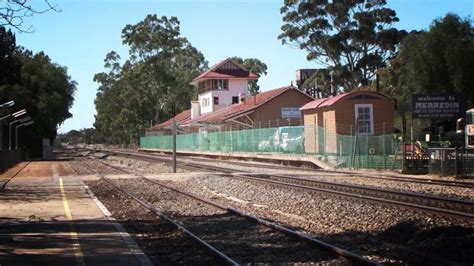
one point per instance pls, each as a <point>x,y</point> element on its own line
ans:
<point>437,61</point>
<point>153,80</point>
<point>352,38</point>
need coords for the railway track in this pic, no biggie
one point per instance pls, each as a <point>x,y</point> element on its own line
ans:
<point>388,177</point>
<point>450,208</point>
<point>433,205</point>
<point>222,252</point>
<point>220,255</point>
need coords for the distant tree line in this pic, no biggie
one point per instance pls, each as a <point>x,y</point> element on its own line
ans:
<point>36,84</point>
<point>85,135</point>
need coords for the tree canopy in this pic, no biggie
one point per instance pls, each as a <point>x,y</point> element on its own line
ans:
<point>36,84</point>
<point>352,38</point>
<point>150,84</point>
<point>440,60</point>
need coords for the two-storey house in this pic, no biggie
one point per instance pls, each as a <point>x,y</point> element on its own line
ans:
<point>223,84</point>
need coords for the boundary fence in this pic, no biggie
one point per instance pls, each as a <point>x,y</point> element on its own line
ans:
<point>341,151</point>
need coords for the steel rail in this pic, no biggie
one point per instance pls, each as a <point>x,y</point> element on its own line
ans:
<point>339,251</point>
<point>426,181</point>
<point>436,259</point>
<point>407,205</point>
<point>157,211</point>
<point>368,194</point>
<point>434,201</point>
<point>444,212</point>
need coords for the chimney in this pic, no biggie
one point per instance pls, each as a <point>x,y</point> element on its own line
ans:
<point>241,97</point>
<point>195,109</point>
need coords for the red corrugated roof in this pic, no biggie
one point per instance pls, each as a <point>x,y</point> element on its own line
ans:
<point>324,102</point>
<point>314,104</point>
<point>332,100</point>
<point>184,118</point>
<point>180,118</point>
<point>241,108</point>
<point>215,73</point>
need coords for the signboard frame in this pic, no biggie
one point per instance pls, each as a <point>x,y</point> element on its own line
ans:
<point>437,106</point>
<point>290,112</point>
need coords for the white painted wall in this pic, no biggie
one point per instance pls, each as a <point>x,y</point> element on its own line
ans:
<point>201,97</point>
<point>236,87</point>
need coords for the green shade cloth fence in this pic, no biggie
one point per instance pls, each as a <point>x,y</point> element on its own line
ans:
<point>342,151</point>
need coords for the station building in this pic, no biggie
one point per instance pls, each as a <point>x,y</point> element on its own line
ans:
<point>223,103</point>
<point>359,113</point>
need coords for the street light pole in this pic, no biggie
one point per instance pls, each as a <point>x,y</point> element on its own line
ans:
<point>16,114</point>
<point>23,120</point>
<point>16,131</point>
<point>4,105</point>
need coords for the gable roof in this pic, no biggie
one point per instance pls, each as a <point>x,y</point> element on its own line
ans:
<point>314,104</point>
<point>325,102</point>
<point>216,72</point>
<point>242,108</point>
<point>180,118</point>
<point>229,112</point>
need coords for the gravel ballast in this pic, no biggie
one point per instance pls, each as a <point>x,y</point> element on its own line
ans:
<point>161,242</point>
<point>241,239</point>
<point>387,235</point>
<point>377,232</point>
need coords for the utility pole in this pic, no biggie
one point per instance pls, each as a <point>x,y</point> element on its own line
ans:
<point>377,81</point>
<point>174,137</point>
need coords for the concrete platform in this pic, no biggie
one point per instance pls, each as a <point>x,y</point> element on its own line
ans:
<point>284,159</point>
<point>48,218</point>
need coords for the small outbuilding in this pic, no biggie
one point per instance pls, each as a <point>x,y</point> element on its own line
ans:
<point>360,113</point>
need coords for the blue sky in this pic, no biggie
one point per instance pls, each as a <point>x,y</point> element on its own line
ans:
<point>80,36</point>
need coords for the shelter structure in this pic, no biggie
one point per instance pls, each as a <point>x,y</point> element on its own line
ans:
<point>360,113</point>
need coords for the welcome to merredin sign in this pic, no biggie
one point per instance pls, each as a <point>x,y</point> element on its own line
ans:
<point>437,106</point>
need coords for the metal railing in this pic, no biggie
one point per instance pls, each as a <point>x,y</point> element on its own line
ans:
<point>451,161</point>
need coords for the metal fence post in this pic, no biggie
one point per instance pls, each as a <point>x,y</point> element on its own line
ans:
<point>384,151</point>
<point>174,139</point>
<point>324,139</point>
<point>367,150</point>
<point>456,162</point>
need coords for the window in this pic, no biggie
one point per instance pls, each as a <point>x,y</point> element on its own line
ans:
<point>220,84</point>
<point>364,119</point>
<point>205,102</point>
<point>216,100</point>
<point>235,99</point>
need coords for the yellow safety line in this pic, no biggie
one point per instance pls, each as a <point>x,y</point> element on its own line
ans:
<point>75,240</point>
